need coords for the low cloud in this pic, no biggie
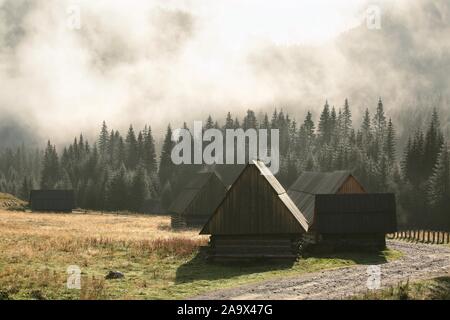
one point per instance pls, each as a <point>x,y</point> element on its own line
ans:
<point>159,61</point>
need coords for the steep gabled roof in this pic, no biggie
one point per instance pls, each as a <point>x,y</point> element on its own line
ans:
<point>191,191</point>
<point>320,182</point>
<point>309,184</point>
<point>277,189</point>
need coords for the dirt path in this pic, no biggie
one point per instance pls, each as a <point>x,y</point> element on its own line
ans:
<point>419,261</point>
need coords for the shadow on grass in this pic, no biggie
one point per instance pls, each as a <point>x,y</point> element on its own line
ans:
<point>441,289</point>
<point>199,268</point>
<point>361,258</point>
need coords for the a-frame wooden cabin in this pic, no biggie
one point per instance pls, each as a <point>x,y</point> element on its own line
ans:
<point>340,213</point>
<point>256,219</point>
<point>196,202</point>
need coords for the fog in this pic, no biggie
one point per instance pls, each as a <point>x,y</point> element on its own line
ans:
<point>157,62</point>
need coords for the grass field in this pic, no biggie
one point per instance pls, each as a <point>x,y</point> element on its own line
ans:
<point>9,202</point>
<point>433,289</point>
<point>37,249</point>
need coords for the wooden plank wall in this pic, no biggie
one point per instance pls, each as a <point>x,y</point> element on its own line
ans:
<point>351,186</point>
<point>242,247</point>
<point>208,198</point>
<point>252,207</point>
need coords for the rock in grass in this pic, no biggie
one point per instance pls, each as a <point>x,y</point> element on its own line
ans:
<point>114,275</point>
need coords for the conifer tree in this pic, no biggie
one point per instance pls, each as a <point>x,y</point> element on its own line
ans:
<point>25,189</point>
<point>346,121</point>
<point>439,182</point>
<point>324,124</point>
<point>432,145</point>
<point>366,130</point>
<point>379,122</point>
<point>139,189</point>
<point>131,149</point>
<point>118,190</point>
<point>150,153</point>
<point>265,123</point>
<point>229,123</point>
<point>50,168</point>
<point>389,144</point>
<point>166,167</point>
<point>250,121</point>
<point>209,123</point>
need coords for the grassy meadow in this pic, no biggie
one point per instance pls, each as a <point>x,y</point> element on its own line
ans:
<point>431,289</point>
<point>158,263</point>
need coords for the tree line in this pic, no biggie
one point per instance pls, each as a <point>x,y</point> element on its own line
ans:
<point>124,173</point>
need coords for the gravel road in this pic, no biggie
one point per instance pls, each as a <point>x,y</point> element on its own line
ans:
<point>419,261</point>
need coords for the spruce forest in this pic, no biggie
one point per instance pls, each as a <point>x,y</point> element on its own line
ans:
<point>124,172</point>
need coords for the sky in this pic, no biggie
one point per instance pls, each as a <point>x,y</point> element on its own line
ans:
<point>166,61</point>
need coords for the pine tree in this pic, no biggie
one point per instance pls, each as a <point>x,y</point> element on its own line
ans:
<point>64,183</point>
<point>389,144</point>
<point>334,123</point>
<point>237,124</point>
<point>118,190</point>
<point>432,145</point>
<point>112,148</point>
<point>131,149</point>
<point>250,121</point>
<point>166,167</point>
<point>81,148</point>
<point>346,121</point>
<point>439,182</point>
<point>366,130</point>
<point>25,189</point>
<point>379,122</point>
<point>310,129</point>
<point>324,124</point>
<point>274,120</point>
<point>265,124</point>
<point>121,154</point>
<point>139,189</point>
<point>50,168</point>
<point>150,153</point>
<point>209,123</point>
<point>229,123</point>
<point>140,147</point>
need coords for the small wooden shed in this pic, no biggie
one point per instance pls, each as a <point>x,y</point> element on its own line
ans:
<point>52,200</point>
<point>310,184</point>
<point>340,213</point>
<point>355,220</point>
<point>256,219</point>
<point>196,202</point>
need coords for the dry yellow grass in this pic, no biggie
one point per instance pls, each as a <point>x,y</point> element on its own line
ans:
<point>36,249</point>
<point>117,227</point>
<point>8,202</point>
<point>158,263</point>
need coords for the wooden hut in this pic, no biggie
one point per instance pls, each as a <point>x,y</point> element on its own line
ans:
<point>52,200</point>
<point>256,219</point>
<point>196,202</point>
<point>340,213</point>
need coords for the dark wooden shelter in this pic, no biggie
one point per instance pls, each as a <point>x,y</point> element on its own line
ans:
<point>196,202</point>
<point>340,212</point>
<point>256,219</point>
<point>52,200</point>
<point>355,219</point>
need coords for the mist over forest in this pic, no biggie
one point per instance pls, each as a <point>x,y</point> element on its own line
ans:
<point>153,62</point>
